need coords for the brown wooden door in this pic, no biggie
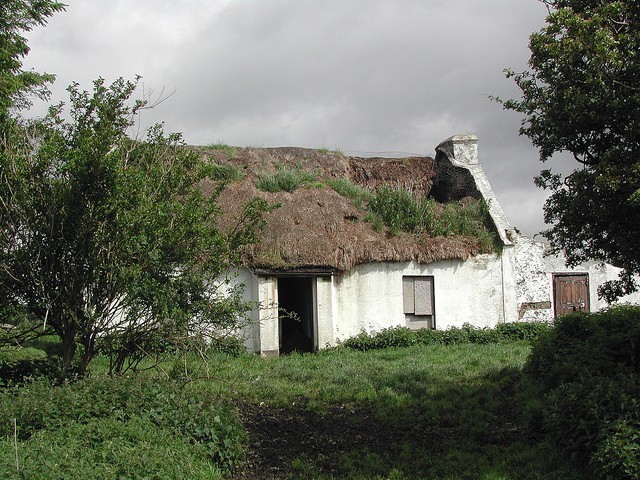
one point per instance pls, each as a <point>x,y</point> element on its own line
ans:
<point>571,293</point>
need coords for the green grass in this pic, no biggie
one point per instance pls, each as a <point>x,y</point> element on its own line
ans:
<point>226,173</point>
<point>346,376</point>
<point>287,178</point>
<point>335,151</point>
<point>463,394</point>
<point>358,195</point>
<point>400,210</point>
<point>453,412</point>
<point>228,150</point>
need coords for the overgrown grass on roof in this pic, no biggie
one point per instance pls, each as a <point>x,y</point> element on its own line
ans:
<point>358,195</point>
<point>228,150</point>
<point>471,218</point>
<point>334,151</point>
<point>287,179</point>
<point>226,173</point>
<point>400,210</point>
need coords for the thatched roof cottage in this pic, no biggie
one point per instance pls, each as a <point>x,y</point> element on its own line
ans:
<point>333,261</point>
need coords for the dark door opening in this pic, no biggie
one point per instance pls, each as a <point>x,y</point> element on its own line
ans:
<point>570,293</point>
<point>295,313</point>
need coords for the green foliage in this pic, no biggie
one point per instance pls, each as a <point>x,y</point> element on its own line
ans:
<point>17,85</point>
<point>618,456</point>
<point>471,219</point>
<point>95,414</point>
<point>228,150</point>
<point>226,173</point>
<point>19,364</point>
<point>405,337</point>
<point>599,344</point>
<point>229,345</point>
<point>581,97</point>
<point>287,179</point>
<point>358,195</point>
<point>388,337</point>
<point>12,356</point>
<point>587,373</point>
<point>334,151</point>
<point>528,331</point>
<point>110,241</point>
<point>400,210</point>
<point>106,448</point>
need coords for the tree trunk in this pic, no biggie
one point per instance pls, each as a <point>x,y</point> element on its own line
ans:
<point>68,348</point>
<point>89,344</point>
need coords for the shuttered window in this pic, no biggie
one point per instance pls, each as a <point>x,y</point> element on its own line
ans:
<point>418,300</point>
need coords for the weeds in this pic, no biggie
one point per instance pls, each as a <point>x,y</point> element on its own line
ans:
<point>400,210</point>
<point>335,151</point>
<point>78,426</point>
<point>404,337</point>
<point>226,173</point>
<point>424,411</point>
<point>358,195</point>
<point>287,179</point>
<point>228,150</point>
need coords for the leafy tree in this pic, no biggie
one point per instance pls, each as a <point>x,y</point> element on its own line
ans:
<point>110,242</point>
<point>582,96</point>
<point>16,85</point>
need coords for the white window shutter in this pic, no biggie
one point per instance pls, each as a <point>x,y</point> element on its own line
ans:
<point>423,296</point>
<point>408,295</point>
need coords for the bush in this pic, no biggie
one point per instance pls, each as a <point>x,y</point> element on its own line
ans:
<point>587,372</point>
<point>106,448</point>
<point>528,331</point>
<point>405,337</point>
<point>395,337</point>
<point>600,343</point>
<point>229,345</point>
<point>578,414</point>
<point>20,364</point>
<point>389,337</point>
<point>618,456</point>
<point>426,336</point>
<point>213,430</point>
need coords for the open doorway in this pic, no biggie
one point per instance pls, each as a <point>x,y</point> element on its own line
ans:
<point>296,314</point>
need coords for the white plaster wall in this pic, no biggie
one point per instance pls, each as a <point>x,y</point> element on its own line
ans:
<point>369,297</point>
<point>251,332</point>
<point>534,279</point>
<point>598,274</point>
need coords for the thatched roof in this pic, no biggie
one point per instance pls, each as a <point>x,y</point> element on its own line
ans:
<point>315,227</point>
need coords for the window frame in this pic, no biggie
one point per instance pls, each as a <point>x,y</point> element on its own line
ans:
<point>418,295</point>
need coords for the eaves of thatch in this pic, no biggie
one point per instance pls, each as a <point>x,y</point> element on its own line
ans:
<point>315,228</point>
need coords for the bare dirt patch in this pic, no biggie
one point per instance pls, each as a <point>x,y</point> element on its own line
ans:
<point>278,436</point>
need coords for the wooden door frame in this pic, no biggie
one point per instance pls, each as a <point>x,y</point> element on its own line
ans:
<point>554,276</point>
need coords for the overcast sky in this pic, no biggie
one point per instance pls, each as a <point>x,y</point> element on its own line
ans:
<point>365,77</point>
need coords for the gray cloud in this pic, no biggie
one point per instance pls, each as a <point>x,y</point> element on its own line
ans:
<point>358,75</point>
